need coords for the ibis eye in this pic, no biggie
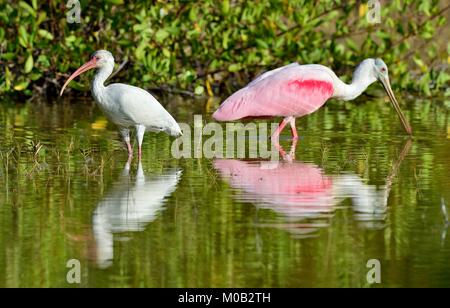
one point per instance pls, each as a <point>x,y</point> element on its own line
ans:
<point>383,69</point>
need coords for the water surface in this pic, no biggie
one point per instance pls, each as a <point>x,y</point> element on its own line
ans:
<point>354,188</point>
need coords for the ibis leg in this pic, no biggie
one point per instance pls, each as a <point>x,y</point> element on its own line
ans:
<point>126,169</point>
<point>140,177</point>
<point>140,131</point>
<point>125,132</point>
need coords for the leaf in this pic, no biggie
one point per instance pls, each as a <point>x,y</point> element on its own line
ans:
<point>70,39</point>
<point>352,45</point>
<point>208,87</point>
<point>420,64</point>
<point>225,39</point>
<point>425,7</point>
<point>100,124</point>
<point>8,56</point>
<point>29,64</point>
<point>193,14</point>
<point>225,6</point>
<point>43,60</point>
<point>45,34</point>
<point>166,52</point>
<point>199,90</point>
<point>116,2</point>
<point>363,10</point>
<point>262,44</point>
<point>161,35</point>
<point>35,76</point>
<point>234,68</point>
<point>140,50</point>
<point>23,36</point>
<point>21,86</point>
<point>41,17</point>
<point>27,8</point>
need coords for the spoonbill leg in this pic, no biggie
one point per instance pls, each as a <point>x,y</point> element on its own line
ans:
<point>276,134</point>
<point>293,128</point>
<point>287,157</point>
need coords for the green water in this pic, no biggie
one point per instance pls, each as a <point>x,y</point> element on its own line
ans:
<point>357,190</point>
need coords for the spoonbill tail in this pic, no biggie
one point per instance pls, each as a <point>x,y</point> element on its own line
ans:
<point>124,105</point>
<point>295,90</point>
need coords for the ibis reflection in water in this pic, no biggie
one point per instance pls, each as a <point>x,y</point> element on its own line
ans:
<point>304,195</point>
<point>129,206</point>
<point>446,220</point>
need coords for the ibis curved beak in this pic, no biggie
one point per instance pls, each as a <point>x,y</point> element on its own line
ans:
<point>85,67</point>
<point>387,87</point>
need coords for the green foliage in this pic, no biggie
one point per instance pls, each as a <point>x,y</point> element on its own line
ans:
<point>209,46</point>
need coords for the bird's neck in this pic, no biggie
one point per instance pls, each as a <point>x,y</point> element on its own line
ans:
<point>362,78</point>
<point>367,199</point>
<point>351,91</point>
<point>98,83</point>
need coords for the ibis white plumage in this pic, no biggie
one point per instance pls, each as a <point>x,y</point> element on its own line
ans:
<point>126,106</point>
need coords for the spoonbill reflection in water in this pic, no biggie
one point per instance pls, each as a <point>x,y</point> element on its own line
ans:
<point>295,90</point>
<point>129,207</point>
<point>126,106</point>
<point>299,191</point>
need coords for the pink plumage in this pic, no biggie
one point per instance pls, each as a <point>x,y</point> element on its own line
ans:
<point>294,189</point>
<point>290,91</point>
<point>295,90</point>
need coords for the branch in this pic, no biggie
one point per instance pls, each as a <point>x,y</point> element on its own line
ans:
<point>121,66</point>
<point>412,34</point>
<point>318,16</point>
<point>172,90</point>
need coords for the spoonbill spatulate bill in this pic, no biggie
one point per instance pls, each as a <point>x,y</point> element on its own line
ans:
<point>126,106</point>
<point>297,90</point>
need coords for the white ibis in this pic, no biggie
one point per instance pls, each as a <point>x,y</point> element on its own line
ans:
<point>126,106</point>
<point>297,90</point>
<point>129,206</point>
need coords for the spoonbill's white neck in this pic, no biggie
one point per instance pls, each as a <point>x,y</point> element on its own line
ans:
<point>363,77</point>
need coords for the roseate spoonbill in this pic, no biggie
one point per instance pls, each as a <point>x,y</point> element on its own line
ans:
<point>298,190</point>
<point>130,207</point>
<point>124,105</point>
<point>297,90</point>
